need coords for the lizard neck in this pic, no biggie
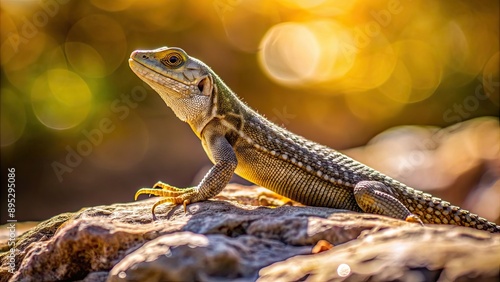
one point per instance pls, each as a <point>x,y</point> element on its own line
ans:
<point>225,107</point>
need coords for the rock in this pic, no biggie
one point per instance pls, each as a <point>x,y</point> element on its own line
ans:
<point>236,240</point>
<point>405,253</point>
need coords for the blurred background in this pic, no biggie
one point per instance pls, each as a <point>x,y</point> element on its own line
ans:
<point>81,129</point>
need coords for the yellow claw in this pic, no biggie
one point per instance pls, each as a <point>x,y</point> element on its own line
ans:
<point>185,203</point>
<point>144,191</point>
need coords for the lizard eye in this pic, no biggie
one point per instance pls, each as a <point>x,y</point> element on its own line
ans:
<point>173,59</point>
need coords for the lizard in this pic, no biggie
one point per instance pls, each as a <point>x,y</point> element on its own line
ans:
<point>238,140</point>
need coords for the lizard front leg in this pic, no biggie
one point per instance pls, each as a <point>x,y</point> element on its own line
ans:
<point>374,197</point>
<point>213,182</point>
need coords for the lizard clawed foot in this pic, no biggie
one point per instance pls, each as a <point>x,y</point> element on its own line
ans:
<point>169,194</point>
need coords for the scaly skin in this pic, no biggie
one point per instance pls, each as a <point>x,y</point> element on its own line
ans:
<point>238,140</point>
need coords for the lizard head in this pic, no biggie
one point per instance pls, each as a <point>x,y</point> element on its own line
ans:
<point>184,83</point>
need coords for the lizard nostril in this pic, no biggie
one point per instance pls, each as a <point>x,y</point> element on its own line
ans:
<point>144,56</point>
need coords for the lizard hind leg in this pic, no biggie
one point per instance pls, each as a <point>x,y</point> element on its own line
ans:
<point>374,197</point>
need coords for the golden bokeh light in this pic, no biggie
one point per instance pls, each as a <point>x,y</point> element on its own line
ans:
<point>371,68</point>
<point>398,87</point>
<point>113,5</point>
<point>60,99</point>
<point>491,80</point>
<point>290,53</point>
<point>262,14</point>
<point>56,58</point>
<point>85,59</point>
<point>13,117</point>
<point>370,105</point>
<point>381,48</point>
<point>319,6</point>
<point>20,63</point>
<point>335,60</point>
<point>480,50</point>
<point>9,36</point>
<point>298,54</point>
<point>96,45</point>
<point>417,73</point>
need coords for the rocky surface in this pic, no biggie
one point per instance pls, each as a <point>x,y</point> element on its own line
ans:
<point>231,238</point>
<point>400,254</point>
